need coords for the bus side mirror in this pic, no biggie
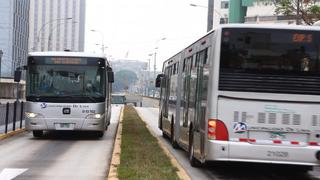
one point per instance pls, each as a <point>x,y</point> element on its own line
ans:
<point>158,80</point>
<point>110,75</point>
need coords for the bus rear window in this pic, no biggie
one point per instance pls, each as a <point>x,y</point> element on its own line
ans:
<point>270,50</point>
<point>269,60</point>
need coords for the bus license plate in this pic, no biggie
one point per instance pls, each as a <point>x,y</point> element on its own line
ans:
<point>278,154</point>
<point>64,126</point>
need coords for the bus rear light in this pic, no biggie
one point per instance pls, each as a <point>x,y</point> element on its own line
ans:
<point>277,141</point>
<point>247,140</point>
<point>217,130</point>
<point>313,143</point>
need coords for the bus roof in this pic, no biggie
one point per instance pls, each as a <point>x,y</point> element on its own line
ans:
<point>257,26</point>
<point>269,26</point>
<point>66,53</point>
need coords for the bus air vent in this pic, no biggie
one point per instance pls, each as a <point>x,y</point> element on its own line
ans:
<point>296,119</point>
<point>314,120</point>
<point>236,116</point>
<point>261,117</point>
<point>244,116</point>
<point>272,118</point>
<point>286,119</point>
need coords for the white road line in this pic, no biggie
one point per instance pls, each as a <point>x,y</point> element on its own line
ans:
<point>10,173</point>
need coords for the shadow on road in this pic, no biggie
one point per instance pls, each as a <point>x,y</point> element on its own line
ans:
<point>245,171</point>
<point>69,135</point>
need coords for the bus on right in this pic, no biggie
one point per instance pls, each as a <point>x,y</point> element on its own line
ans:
<point>245,93</point>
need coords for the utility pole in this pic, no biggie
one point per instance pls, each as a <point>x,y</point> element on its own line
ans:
<point>154,72</point>
<point>1,53</point>
<point>210,15</point>
<point>298,13</point>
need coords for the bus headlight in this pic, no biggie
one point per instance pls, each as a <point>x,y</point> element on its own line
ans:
<point>97,116</point>
<point>94,116</point>
<point>31,114</point>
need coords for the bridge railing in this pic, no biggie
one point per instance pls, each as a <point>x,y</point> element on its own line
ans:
<point>12,116</point>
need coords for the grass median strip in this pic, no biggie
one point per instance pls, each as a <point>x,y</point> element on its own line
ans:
<point>141,156</point>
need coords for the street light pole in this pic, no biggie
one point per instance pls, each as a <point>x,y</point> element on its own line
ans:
<point>149,74</point>
<point>210,15</point>
<point>43,26</point>
<point>155,61</point>
<point>1,53</point>
<point>154,68</point>
<point>298,13</point>
<point>211,9</point>
<point>102,44</point>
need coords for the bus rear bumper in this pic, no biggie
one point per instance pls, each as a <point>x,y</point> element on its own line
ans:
<point>273,154</point>
<point>66,124</point>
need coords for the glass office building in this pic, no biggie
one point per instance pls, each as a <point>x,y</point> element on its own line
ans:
<point>14,29</point>
<point>57,25</point>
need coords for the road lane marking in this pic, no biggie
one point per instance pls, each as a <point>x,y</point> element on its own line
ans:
<point>10,173</point>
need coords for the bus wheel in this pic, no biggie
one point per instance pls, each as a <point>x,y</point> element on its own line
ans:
<point>107,125</point>
<point>193,161</point>
<point>37,133</point>
<point>99,134</point>
<point>173,141</point>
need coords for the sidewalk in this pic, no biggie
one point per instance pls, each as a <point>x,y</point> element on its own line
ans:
<point>10,125</point>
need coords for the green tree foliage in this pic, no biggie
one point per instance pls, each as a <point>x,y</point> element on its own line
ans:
<point>309,10</point>
<point>123,79</point>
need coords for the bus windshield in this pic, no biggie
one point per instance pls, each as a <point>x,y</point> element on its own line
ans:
<point>54,82</point>
<point>270,60</point>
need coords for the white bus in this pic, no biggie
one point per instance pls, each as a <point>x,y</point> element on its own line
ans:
<point>68,91</point>
<point>246,93</point>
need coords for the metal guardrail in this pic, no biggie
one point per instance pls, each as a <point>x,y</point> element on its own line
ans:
<point>11,116</point>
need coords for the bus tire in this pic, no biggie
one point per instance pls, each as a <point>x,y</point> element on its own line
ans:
<point>192,160</point>
<point>99,134</point>
<point>160,121</point>
<point>173,141</point>
<point>164,135</point>
<point>37,133</point>
<point>107,125</point>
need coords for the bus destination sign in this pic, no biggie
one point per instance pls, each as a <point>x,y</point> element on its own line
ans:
<point>66,60</point>
<point>302,38</point>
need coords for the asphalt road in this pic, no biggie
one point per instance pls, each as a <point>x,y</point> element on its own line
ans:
<point>63,155</point>
<point>230,171</point>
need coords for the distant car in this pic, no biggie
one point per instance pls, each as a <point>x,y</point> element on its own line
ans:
<point>118,99</point>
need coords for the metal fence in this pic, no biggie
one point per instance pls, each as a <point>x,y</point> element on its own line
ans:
<point>12,116</point>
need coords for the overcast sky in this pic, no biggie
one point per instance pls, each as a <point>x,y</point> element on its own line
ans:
<point>133,28</point>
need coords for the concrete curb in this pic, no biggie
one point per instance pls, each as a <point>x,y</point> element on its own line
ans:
<point>115,160</point>
<point>181,171</point>
<point>12,133</point>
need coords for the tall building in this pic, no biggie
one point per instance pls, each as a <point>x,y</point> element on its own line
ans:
<point>221,12</point>
<point>263,12</point>
<point>57,25</point>
<point>14,29</point>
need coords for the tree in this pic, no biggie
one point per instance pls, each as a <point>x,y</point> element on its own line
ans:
<point>309,10</point>
<point>123,79</point>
